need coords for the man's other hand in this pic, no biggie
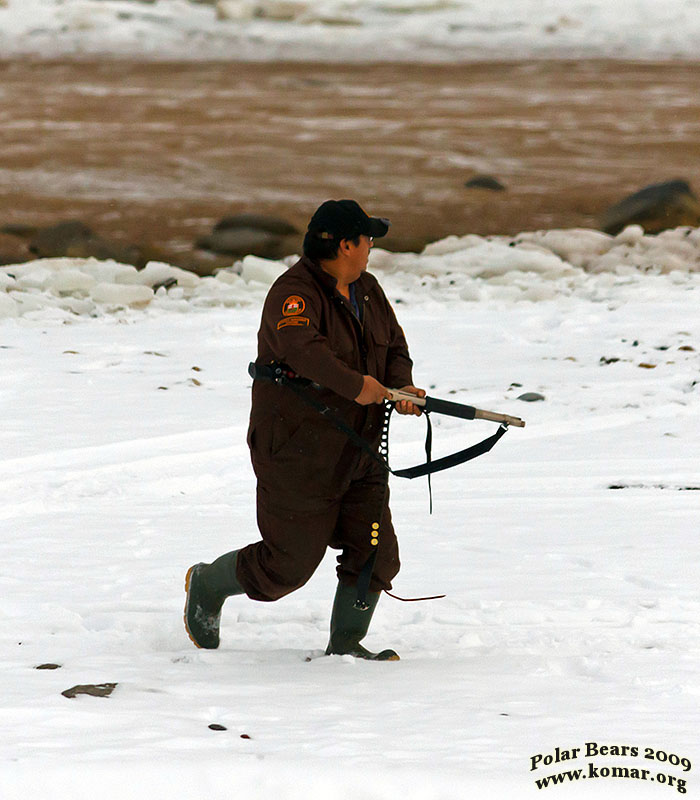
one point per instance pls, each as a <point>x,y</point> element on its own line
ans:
<point>372,392</point>
<point>406,406</point>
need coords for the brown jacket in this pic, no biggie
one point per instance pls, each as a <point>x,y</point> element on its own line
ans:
<point>309,326</point>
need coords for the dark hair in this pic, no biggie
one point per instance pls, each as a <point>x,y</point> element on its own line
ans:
<point>318,249</point>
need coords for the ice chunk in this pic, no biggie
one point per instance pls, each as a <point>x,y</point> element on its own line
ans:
<point>229,277</point>
<point>8,307</point>
<point>156,272</point>
<point>262,270</point>
<point>238,10</point>
<point>6,282</point>
<point>118,294</point>
<point>70,281</point>
<point>576,246</point>
<point>82,306</point>
<point>34,278</point>
<point>630,235</point>
<point>32,301</point>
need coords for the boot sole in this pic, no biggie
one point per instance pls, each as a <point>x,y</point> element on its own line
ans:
<point>313,657</point>
<point>369,657</point>
<point>188,581</point>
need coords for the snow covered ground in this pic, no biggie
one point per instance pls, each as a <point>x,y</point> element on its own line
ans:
<point>351,30</point>
<point>572,607</point>
<point>569,555</point>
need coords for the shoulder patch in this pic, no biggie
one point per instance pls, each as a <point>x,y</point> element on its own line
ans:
<point>297,322</point>
<point>293,305</point>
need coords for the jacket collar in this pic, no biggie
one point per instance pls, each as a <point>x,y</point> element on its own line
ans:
<point>327,281</point>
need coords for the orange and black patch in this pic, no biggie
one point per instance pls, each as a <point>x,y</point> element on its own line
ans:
<point>297,322</point>
<point>293,305</point>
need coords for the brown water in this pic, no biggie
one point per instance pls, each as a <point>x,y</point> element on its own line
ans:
<point>156,153</point>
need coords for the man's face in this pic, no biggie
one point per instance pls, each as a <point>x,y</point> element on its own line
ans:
<point>359,254</point>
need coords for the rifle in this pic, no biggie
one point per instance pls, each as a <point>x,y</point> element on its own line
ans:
<point>451,409</point>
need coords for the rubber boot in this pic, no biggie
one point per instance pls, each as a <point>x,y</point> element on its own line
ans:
<point>349,626</point>
<point>207,586</point>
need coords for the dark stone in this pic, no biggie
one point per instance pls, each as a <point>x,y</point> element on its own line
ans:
<point>13,250</point>
<point>531,397</point>
<point>104,249</point>
<point>216,727</point>
<point>167,284</point>
<point>485,182</point>
<point>74,239</point>
<point>23,231</point>
<point>48,666</point>
<point>654,486</point>
<point>257,222</point>
<point>56,239</point>
<point>656,208</point>
<point>93,689</point>
<point>245,241</point>
<point>202,263</point>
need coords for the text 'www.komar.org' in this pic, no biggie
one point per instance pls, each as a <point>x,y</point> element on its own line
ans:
<point>594,770</point>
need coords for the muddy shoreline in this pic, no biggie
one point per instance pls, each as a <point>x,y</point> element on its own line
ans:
<point>155,153</point>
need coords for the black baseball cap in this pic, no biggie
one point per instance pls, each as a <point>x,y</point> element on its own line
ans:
<point>345,219</point>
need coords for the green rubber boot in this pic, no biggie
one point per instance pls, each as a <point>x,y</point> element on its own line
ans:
<point>207,586</point>
<point>349,626</point>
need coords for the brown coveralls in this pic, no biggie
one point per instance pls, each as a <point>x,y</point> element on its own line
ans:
<point>315,488</point>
